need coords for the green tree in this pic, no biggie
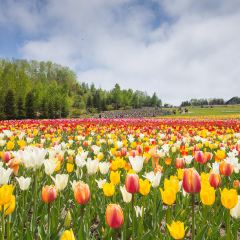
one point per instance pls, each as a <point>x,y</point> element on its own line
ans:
<point>29,106</point>
<point>9,105</point>
<point>20,109</point>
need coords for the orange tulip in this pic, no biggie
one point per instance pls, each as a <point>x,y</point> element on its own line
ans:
<point>226,169</point>
<point>236,184</point>
<point>191,181</point>
<point>215,180</point>
<point>179,163</point>
<point>49,194</point>
<point>82,193</point>
<point>114,216</point>
<point>132,183</point>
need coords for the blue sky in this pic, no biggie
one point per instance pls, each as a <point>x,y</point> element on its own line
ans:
<point>179,48</point>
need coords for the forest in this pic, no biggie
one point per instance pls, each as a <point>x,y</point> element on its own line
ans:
<point>37,89</point>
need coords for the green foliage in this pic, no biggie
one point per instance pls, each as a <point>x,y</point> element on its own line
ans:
<point>29,105</point>
<point>20,108</point>
<point>48,90</point>
<point>9,105</point>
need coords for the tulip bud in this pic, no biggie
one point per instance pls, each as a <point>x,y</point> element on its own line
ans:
<point>226,169</point>
<point>179,163</point>
<point>6,156</point>
<point>191,181</point>
<point>236,184</point>
<point>132,183</point>
<point>114,216</point>
<point>215,180</point>
<point>82,193</point>
<point>67,220</point>
<point>49,194</point>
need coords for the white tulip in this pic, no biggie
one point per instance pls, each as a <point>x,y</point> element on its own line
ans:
<point>60,181</point>
<point>119,144</point>
<point>95,149</point>
<point>81,159</point>
<point>92,166</point>
<point>49,166</point>
<point>5,175</point>
<point>188,159</point>
<point>127,197</point>
<point>74,183</point>
<point>235,212</point>
<point>2,143</point>
<point>24,183</point>
<point>215,168</point>
<point>104,167</point>
<point>136,163</point>
<point>33,157</point>
<point>100,182</point>
<point>153,178</point>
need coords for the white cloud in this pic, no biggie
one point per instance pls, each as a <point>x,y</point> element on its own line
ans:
<point>192,52</point>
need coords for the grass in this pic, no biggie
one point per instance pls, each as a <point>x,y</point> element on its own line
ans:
<point>208,111</point>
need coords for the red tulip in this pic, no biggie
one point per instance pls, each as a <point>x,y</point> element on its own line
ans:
<point>226,169</point>
<point>6,157</point>
<point>114,216</point>
<point>49,194</point>
<point>191,181</point>
<point>132,183</point>
<point>200,157</point>
<point>215,180</point>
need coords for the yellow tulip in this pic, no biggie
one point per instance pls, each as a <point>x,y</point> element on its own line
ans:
<point>67,235</point>
<point>70,167</point>
<point>144,187</point>
<point>176,230</point>
<point>5,194</point>
<point>10,206</point>
<point>207,195</point>
<point>115,177</point>
<point>220,155</point>
<point>108,189</point>
<point>10,145</point>
<point>168,196</point>
<point>180,173</point>
<point>205,178</point>
<point>58,167</point>
<point>172,183</point>
<point>229,198</point>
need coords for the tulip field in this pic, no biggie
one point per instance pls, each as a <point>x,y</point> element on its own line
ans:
<point>120,179</point>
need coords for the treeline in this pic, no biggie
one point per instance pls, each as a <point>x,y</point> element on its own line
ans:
<point>210,102</point>
<point>33,89</point>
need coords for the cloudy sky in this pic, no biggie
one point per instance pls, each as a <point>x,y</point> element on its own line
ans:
<point>181,49</point>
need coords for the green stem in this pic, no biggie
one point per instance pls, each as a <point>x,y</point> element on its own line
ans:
<point>155,210</point>
<point>8,229</point>
<point>169,214</point>
<point>81,222</point>
<point>228,230</point>
<point>193,217</point>
<point>23,214</point>
<point>34,203</point>
<point>3,223</point>
<point>125,223</point>
<point>49,221</point>
<point>133,222</point>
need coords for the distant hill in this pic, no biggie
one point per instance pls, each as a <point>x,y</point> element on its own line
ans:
<point>33,89</point>
<point>233,100</point>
